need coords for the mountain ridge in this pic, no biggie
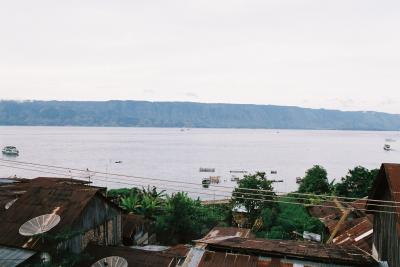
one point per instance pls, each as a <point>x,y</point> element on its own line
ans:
<point>134,113</point>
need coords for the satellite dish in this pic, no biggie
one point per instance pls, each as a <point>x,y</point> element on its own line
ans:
<point>39,225</point>
<point>9,204</point>
<point>113,261</point>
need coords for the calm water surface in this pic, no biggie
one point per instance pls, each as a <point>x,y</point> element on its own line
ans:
<point>177,155</point>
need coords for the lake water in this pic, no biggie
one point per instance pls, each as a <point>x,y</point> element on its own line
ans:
<point>176,155</point>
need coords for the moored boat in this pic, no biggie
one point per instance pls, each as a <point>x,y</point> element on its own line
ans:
<point>387,147</point>
<point>10,150</point>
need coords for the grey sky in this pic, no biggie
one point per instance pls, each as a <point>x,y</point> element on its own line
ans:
<point>332,54</point>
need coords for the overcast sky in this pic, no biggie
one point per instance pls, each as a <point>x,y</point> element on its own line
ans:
<point>331,54</point>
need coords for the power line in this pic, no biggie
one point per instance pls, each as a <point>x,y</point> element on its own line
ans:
<point>190,183</point>
<point>236,197</point>
<point>229,196</point>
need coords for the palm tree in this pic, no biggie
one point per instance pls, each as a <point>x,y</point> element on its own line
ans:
<point>131,203</point>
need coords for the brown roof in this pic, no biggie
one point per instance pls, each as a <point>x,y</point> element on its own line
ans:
<point>134,257</point>
<point>387,178</point>
<point>219,259</point>
<point>335,254</point>
<point>178,250</point>
<point>357,224</point>
<point>359,235</point>
<point>64,198</point>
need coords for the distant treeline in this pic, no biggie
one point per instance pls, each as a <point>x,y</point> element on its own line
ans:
<point>188,114</point>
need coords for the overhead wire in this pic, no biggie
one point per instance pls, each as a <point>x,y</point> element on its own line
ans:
<point>183,184</point>
<point>186,182</point>
<point>228,196</point>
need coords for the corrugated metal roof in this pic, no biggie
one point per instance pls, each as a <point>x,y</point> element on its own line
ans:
<point>134,257</point>
<point>10,257</point>
<point>387,178</point>
<point>358,223</point>
<point>360,235</point>
<point>349,255</point>
<point>64,197</point>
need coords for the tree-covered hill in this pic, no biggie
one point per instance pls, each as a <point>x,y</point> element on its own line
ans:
<point>188,114</point>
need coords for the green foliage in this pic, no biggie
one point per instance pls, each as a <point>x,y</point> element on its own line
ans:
<point>258,198</point>
<point>121,192</point>
<point>185,219</point>
<point>281,222</point>
<point>147,202</point>
<point>131,203</point>
<point>357,183</point>
<point>315,181</point>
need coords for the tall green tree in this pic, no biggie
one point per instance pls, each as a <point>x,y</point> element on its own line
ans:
<point>255,193</point>
<point>315,181</point>
<point>357,183</point>
<point>184,220</point>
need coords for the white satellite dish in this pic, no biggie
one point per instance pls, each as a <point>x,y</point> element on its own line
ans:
<point>9,204</point>
<point>113,261</point>
<point>39,225</point>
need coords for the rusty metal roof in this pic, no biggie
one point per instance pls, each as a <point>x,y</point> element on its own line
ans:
<point>388,178</point>
<point>357,224</point>
<point>64,198</point>
<point>134,257</point>
<point>334,254</point>
<point>360,235</point>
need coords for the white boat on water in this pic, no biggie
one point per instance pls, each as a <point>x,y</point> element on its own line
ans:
<point>10,150</point>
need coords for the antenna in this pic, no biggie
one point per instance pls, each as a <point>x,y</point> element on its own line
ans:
<point>39,225</point>
<point>113,261</point>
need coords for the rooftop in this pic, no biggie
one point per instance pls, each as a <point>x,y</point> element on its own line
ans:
<point>134,257</point>
<point>289,249</point>
<point>44,196</point>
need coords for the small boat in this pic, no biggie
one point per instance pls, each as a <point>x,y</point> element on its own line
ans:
<point>387,147</point>
<point>10,151</point>
<point>206,182</point>
<point>118,162</point>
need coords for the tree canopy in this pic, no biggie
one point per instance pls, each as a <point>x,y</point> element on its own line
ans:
<point>255,193</point>
<point>315,181</point>
<point>357,183</point>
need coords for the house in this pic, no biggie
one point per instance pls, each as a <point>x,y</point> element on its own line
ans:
<point>49,214</point>
<point>386,236</point>
<point>285,253</point>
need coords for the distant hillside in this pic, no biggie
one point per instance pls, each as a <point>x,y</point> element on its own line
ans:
<point>187,114</point>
